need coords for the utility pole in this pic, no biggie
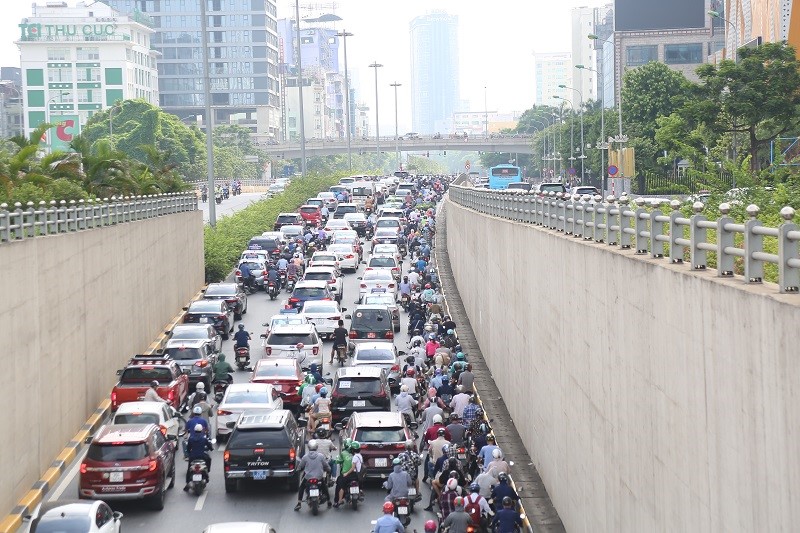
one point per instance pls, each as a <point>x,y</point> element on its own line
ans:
<point>344,35</point>
<point>376,66</point>
<point>212,205</point>
<point>300,91</point>
<point>396,136</point>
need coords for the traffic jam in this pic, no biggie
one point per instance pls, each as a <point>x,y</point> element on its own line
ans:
<point>337,394</point>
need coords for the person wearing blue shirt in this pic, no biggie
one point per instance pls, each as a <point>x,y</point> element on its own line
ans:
<point>421,264</point>
<point>282,263</point>
<point>247,275</point>
<point>503,490</point>
<point>485,453</point>
<point>388,523</point>
<point>425,250</point>
<point>196,447</point>
<point>242,338</point>
<point>507,520</point>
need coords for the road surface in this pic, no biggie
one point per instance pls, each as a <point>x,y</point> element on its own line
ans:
<point>232,204</point>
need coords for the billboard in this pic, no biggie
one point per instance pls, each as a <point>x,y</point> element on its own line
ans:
<point>640,15</point>
<point>65,128</point>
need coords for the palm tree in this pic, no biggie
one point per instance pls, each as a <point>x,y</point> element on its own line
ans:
<point>22,166</point>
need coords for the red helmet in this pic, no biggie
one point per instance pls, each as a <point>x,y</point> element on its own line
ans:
<point>410,372</point>
<point>430,526</point>
<point>427,285</point>
<point>317,387</point>
<point>388,507</point>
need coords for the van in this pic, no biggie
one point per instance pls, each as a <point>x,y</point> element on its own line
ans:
<point>361,189</point>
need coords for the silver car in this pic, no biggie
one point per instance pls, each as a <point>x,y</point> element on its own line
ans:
<point>240,397</point>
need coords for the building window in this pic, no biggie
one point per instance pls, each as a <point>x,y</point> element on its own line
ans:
<point>58,54</point>
<point>88,74</point>
<point>640,55</point>
<point>59,75</point>
<point>683,54</point>
<point>84,95</point>
<point>88,53</point>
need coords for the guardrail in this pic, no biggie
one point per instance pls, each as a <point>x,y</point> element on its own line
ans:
<point>613,222</point>
<point>65,217</point>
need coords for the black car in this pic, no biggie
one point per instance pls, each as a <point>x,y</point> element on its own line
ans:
<point>264,445</point>
<point>343,209</point>
<point>214,312</point>
<point>359,388</point>
<point>288,219</point>
<point>270,244</point>
<point>233,295</point>
<point>196,359</point>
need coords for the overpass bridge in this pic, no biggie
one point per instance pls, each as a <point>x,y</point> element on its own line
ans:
<point>520,144</point>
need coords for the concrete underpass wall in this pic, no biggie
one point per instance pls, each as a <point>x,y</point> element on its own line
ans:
<point>651,398</point>
<point>75,308</point>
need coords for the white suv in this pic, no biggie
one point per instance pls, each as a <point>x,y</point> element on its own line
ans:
<point>301,342</point>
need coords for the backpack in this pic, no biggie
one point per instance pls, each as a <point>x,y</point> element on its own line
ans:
<point>472,508</point>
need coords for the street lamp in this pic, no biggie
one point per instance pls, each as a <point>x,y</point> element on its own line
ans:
<point>716,15</point>
<point>571,129</point>
<point>376,66</point>
<point>300,90</point>
<point>396,136</point>
<point>582,157</point>
<point>620,138</point>
<point>603,143</point>
<point>212,209</point>
<point>344,35</point>
<point>485,115</point>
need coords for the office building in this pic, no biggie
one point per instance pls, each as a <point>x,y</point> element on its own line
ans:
<point>757,21</point>
<point>78,60</point>
<point>549,71</point>
<point>477,123</point>
<point>11,112</point>
<point>243,55</point>
<point>589,21</point>
<point>435,91</point>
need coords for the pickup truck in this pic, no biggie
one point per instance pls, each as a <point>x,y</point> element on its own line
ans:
<point>136,377</point>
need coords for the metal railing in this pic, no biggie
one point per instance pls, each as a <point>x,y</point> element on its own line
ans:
<point>31,220</point>
<point>653,232</point>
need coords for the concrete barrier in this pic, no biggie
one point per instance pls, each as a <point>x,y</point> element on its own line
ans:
<point>76,307</point>
<point>650,397</point>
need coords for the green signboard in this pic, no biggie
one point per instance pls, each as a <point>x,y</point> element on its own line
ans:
<point>65,128</point>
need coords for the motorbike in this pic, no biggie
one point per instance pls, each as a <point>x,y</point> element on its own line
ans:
<point>218,198</point>
<point>405,302</point>
<point>314,496</point>
<point>403,250</point>
<point>272,289</point>
<point>199,478</point>
<point>341,355</point>
<point>242,357</point>
<point>402,510</point>
<point>204,196</point>
<point>369,233</point>
<point>248,286</point>
<point>225,193</point>
<point>353,495</point>
<point>220,386</point>
<point>282,277</point>
<point>290,280</point>
<point>324,426</point>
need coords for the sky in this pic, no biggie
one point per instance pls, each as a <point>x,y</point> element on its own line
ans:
<point>496,45</point>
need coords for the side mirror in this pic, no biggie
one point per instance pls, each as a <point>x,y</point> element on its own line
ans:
<point>363,263</point>
<point>348,317</point>
<point>265,324</point>
<point>230,425</point>
<point>345,421</point>
<point>88,440</point>
<point>118,516</point>
<point>359,277</point>
<point>343,309</point>
<point>172,437</point>
<point>167,331</point>
<point>401,352</point>
<point>119,372</point>
<point>185,308</point>
<point>338,427</point>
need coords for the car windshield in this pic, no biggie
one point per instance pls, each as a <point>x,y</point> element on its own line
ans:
<point>380,435</point>
<point>355,216</point>
<point>117,452</point>
<point>313,209</point>
<point>384,249</point>
<point>382,262</point>
<point>386,223</point>
<point>289,339</point>
<point>383,234</point>
<point>548,187</point>
<point>263,244</point>
<point>362,191</point>
<point>358,386</point>
<point>275,371</point>
<point>181,353</point>
<point>379,299</point>
<point>340,248</point>
<point>379,275</point>
<point>371,320</point>
<point>252,265</point>
<point>291,230</point>
<point>308,293</point>
<point>317,276</point>
<point>146,374</point>
<point>324,257</point>
<point>346,209</point>
<point>375,354</point>
<point>58,523</point>
<point>320,307</point>
<point>284,319</point>
<point>317,203</point>
<point>136,418</point>
<point>223,290</point>
<point>205,306</point>
<point>287,219</point>
<point>247,396</point>
<point>262,437</point>
<point>190,333</point>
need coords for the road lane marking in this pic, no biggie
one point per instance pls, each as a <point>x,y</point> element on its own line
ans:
<point>67,479</point>
<point>201,501</point>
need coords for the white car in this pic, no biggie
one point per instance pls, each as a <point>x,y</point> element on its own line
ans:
<point>239,527</point>
<point>285,319</point>
<point>393,212</point>
<point>274,235</point>
<point>379,353</point>
<point>254,255</point>
<point>299,342</point>
<point>390,303</point>
<point>389,222</point>
<point>191,332</point>
<point>330,274</point>
<point>324,314</point>
<point>386,262</point>
<point>330,200</point>
<point>323,257</point>
<point>292,231</point>
<point>70,515</point>
<point>377,282</point>
<point>346,255</point>
<point>240,397</point>
<point>334,224</point>
<point>159,413</point>
<point>388,249</point>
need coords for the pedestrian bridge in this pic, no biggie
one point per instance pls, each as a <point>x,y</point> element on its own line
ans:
<point>520,144</point>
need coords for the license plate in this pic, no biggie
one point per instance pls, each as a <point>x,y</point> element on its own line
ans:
<point>313,492</point>
<point>260,474</point>
<point>354,490</point>
<point>380,461</point>
<point>116,477</point>
<point>402,510</point>
<point>197,477</point>
<point>278,387</point>
<point>412,492</point>
<point>370,335</point>
<point>112,488</point>
<point>359,403</point>
<point>462,456</point>
<point>204,320</point>
<point>378,290</point>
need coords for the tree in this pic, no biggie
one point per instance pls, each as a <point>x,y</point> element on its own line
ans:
<point>757,95</point>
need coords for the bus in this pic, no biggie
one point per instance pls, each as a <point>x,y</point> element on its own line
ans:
<point>501,175</point>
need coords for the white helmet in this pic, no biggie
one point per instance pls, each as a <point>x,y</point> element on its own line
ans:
<point>312,445</point>
<point>197,410</point>
<point>437,419</point>
<point>404,388</point>
<point>198,427</point>
<point>201,386</point>
<point>497,454</point>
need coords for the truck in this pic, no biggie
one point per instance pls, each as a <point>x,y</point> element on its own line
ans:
<point>141,371</point>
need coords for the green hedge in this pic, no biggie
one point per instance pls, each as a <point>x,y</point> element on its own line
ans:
<point>225,243</point>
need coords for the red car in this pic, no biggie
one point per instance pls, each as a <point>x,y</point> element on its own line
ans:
<point>285,376</point>
<point>312,214</point>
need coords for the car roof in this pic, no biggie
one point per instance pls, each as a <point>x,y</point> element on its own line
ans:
<point>373,345</point>
<point>112,433</point>
<point>383,256</point>
<point>222,285</point>
<point>239,387</point>
<point>365,371</point>
<point>185,343</point>
<point>288,214</point>
<point>377,418</point>
<point>389,218</point>
<point>311,205</point>
<point>313,283</point>
<point>262,418</point>
<point>321,268</point>
<point>238,527</point>
<point>67,507</point>
<point>369,307</point>
<point>275,361</point>
<point>140,407</point>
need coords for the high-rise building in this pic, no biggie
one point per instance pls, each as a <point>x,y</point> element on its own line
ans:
<point>589,21</point>
<point>243,59</point>
<point>434,70</point>
<point>549,71</point>
<point>756,21</point>
<point>11,112</point>
<point>78,60</point>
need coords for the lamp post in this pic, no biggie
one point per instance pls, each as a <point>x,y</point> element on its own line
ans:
<point>376,66</point>
<point>716,14</point>
<point>555,145</point>
<point>212,209</point>
<point>582,157</point>
<point>300,90</point>
<point>485,115</point>
<point>571,128</point>
<point>47,116</point>
<point>396,136</point>
<point>603,143</point>
<point>620,138</point>
<point>344,35</point>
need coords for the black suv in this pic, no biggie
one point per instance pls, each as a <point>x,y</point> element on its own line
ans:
<point>196,357</point>
<point>264,445</point>
<point>269,244</point>
<point>288,219</point>
<point>359,388</point>
<point>233,295</point>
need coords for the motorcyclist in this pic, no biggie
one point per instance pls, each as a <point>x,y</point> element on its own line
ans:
<point>405,287</point>
<point>410,461</point>
<point>503,489</point>
<point>292,270</point>
<point>222,367</point>
<point>431,346</point>
<point>485,453</point>
<point>410,380</point>
<point>197,420</point>
<point>498,463</point>
<point>417,321</point>
<point>314,371</point>
<point>413,278</point>
<point>242,338</point>
<point>405,402</point>
<point>272,275</point>
<point>351,474</point>
<point>247,275</point>
<point>314,466</point>
<point>398,482</point>
<point>447,499</point>
<point>457,430</point>
<point>340,335</point>
<point>345,463</point>
<point>467,379</point>
<point>151,394</point>
<point>307,390</point>
<point>421,264</point>
<point>507,520</point>
<point>321,409</point>
<point>282,263</point>
<point>196,446</point>
<point>198,395</point>
<point>388,523</point>
<point>459,520</point>
<point>326,447</point>
<point>477,507</point>
<point>459,401</point>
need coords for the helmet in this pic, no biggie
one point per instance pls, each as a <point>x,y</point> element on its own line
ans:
<point>454,416</point>
<point>198,427</point>
<point>388,508</point>
<point>241,326</point>
<point>417,342</point>
<point>154,383</point>
<point>507,502</point>
<point>452,484</point>
<point>460,356</point>
<point>320,433</point>
<point>355,445</point>
<point>405,278</point>
<point>449,331</point>
<point>459,501</point>
<point>445,447</point>
<point>437,419</point>
<point>427,285</point>
<point>474,487</point>
<point>347,443</point>
<point>440,431</point>
<point>411,372</point>
<point>404,388</point>
<point>502,477</point>
<point>430,526</point>
<point>396,461</point>
<point>410,358</point>
<point>312,444</point>
<point>409,444</point>
<point>497,454</point>
<point>323,392</point>
<point>318,387</point>
<point>197,410</point>
<point>310,379</point>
